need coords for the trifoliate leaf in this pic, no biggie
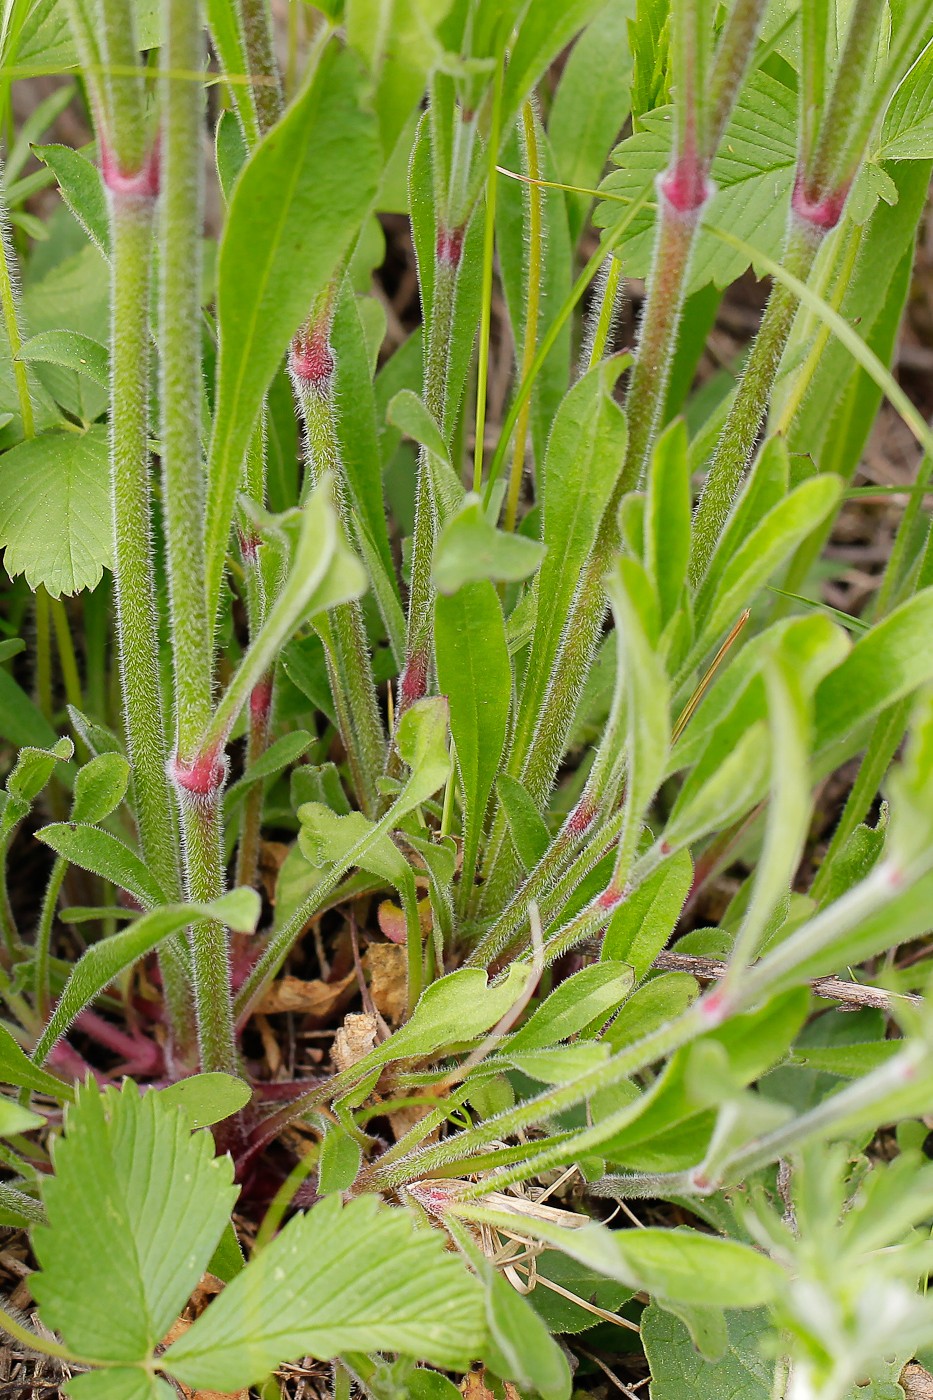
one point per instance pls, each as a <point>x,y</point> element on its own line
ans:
<point>55,510</point>
<point>349,1278</point>
<point>753,174</point>
<point>137,1204</point>
<point>122,1383</point>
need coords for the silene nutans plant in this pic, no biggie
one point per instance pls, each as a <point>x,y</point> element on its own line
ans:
<point>466,699</point>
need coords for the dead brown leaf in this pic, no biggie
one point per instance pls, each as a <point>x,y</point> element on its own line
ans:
<point>387,965</point>
<point>270,1045</point>
<point>917,1382</point>
<point>271,859</point>
<point>355,1038</point>
<point>177,1330</point>
<point>317,999</point>
<point>474,1387</point>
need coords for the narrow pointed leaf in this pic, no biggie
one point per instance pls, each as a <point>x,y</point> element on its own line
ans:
<point>104,961</point>
<point>317,170</point>
<point>96,850</point>
<point>474,672</point>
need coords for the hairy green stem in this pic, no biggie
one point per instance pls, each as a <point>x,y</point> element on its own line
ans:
<point>532,307</point>
<point>677,227</point>
<point>489,245</point>
<point>40,970</point>
<point>460,1146</point>
<point>9,304</point>
<point>256,29</point>
<point>740,433</point>
<point>414,680</point>
<point>824,170</point>
<point>209,939</point>
<point>822,1122</point>
<point>657,341</point>
<point>261,699</point>
<point>183,498</point>
<point>349,657</point>
<point>247,861</point>
<point>607,297</point>
<point>127,137</point>
<point>183,489</point>
<point>131,219</point>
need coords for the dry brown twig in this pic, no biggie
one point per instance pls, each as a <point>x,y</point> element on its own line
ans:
<point>853,995</point>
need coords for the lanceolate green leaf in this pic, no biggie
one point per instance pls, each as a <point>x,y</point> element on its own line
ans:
<point>530,834</point>
<point>317,169</point>
<point>883,666</point>
<point>474,672</point>
<point>589,996</point>
<point>17,1068</point>
<point>470,549</point>
<point>99,787</point>
<point>778,534</point>
<point>644,922</point>
<point>104,961</point>
<point>584,456</point>
<point>463,1001</point>
<point>683,1265</point>
<point>339,1279</point>
<point>667,519</point>
<point>96,850</point>
<point>167,1201</point>
<point>82,189</point>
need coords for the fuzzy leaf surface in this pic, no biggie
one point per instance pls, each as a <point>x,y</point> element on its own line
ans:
<point>17,1068</point>
<point>102,962</point>
<point>470,549</point>
<point>317,169</point>
<point>96,850</point>
<point>474,672</point>
<point>207,1098</point>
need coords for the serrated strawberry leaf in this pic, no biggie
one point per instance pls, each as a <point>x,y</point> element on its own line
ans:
<point>55,510</point>
<point>137,1203</point>
<point>339,1279</point>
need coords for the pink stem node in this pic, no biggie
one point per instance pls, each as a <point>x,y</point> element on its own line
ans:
<point>449,246</point>
<point>249,547</point>
<point>685,185</point>
<point>818,208</point>
<point>311,359</point>
<point>581,817</point>
<point>143,183</point>
<point>414,683</point>
<point>200,782</point>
